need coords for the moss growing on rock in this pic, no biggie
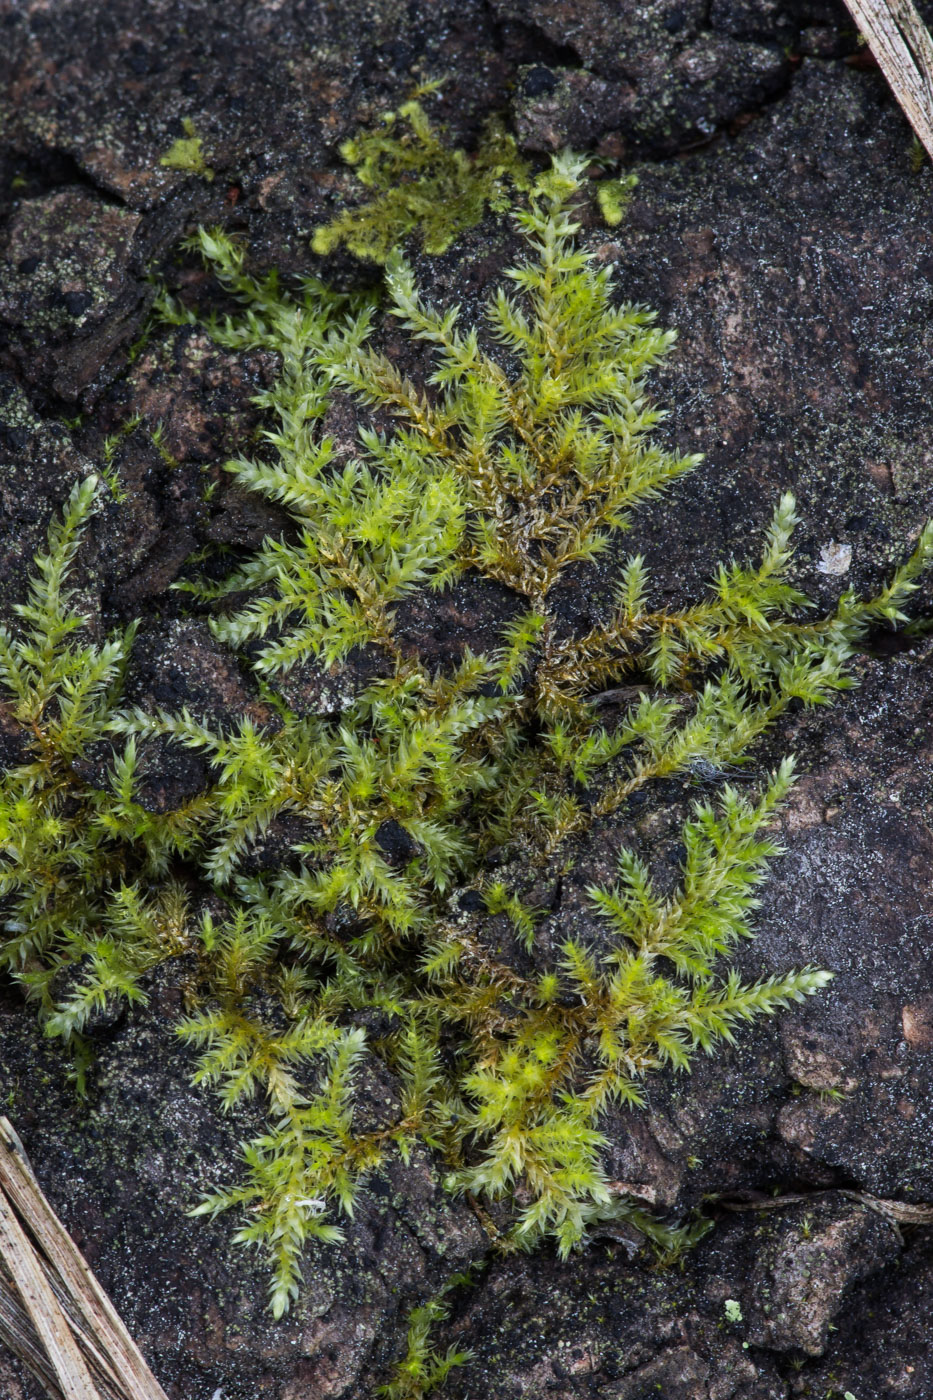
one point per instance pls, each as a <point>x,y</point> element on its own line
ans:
<point>376,940</point>
<point>421,184</point>
<point>186,153</point>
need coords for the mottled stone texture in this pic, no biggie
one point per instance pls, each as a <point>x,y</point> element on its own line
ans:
<point>790,244</point>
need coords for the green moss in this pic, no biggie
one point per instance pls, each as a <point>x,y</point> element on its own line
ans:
<point>423,1369</point>
<point>517,464</point>
<point>614,196</point>
<point>421,185</point>
<point>186,153</point>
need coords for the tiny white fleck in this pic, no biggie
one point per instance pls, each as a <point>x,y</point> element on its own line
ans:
<point>835,558</point>
<point>315,1204</point>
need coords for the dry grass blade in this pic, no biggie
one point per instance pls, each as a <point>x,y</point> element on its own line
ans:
<point>901,43</point>
<point>73,1376</point>
<point>19,1336</point>
<point>65,1312</point>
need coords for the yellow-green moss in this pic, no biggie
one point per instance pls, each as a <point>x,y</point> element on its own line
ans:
<point>421,185</point>
<point>186,153</point>
<point>517,466</point>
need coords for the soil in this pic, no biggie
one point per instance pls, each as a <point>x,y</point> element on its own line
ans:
<point>782,226</point>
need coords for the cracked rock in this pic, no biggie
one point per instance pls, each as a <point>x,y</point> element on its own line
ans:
<point>806,1261</point>
<point>653,78</point>
<point>66,287</point>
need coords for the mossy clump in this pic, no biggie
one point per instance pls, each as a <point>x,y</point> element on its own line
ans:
<point>516,466</point>
<point>614,197</point>
<point>187,153</point>
<point>421,184</point>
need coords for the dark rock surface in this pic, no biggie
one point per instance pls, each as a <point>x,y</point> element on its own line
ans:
<point>779,226</point>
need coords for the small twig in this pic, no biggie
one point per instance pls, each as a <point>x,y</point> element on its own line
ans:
<point>901,44</point>
<point>896,1213</point>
